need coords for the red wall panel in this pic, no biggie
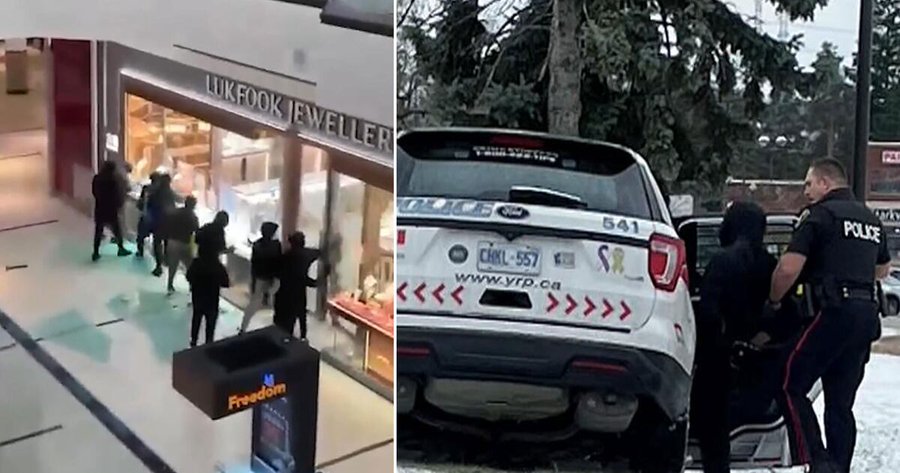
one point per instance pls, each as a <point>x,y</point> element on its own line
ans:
<point>71,95</point>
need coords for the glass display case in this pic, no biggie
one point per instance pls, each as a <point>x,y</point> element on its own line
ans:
<point>361,285</point>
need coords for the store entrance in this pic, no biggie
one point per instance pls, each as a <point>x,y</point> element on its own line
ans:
<point>351,311</point>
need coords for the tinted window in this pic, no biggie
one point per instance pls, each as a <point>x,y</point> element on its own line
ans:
<point>776,240</point>
<point>482,166</point>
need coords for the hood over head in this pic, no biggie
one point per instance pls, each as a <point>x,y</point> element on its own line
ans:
<point>743,221</point>
<point>268,229</point>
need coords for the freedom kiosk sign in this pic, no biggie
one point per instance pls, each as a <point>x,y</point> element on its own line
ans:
<point>270,372</point>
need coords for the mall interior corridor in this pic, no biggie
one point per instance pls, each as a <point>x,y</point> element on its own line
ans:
<point>106,331</point>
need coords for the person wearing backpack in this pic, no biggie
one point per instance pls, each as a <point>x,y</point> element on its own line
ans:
<point>265,264</point>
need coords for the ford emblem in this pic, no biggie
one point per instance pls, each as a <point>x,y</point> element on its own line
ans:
<point>458,254</point>
<point>513,212</point>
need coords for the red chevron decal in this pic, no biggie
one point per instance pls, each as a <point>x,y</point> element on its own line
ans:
<point>572,304</point>
<point>455,295</point>
<point>607,308</point>
<point>437,293</point>
<point>400,291</point>
<point>418,292</point>
<point>626,311</point>
<point>554,302</point>
<point>590,305</point>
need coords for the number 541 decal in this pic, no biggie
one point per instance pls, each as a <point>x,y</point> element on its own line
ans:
<point>620,224</point>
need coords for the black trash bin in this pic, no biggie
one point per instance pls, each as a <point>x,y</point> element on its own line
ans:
<point>266,370</point>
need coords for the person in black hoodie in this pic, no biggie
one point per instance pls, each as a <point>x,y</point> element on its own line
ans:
<point>265,263</point>
<point>207,276</point>
<point>211,237</point>
<point>144,229</point>
<point>290,300</point>
<point>109,198</point>
<point>733,294</point>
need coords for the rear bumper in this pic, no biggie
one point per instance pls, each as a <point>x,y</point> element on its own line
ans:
<point>480,355</point>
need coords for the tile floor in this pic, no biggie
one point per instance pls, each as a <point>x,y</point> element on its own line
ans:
<point>61,296</point>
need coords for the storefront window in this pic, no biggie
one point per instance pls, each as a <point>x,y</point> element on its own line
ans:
<point>158,138</point>
<point>351,313</point>
<point>361,285</point>
<point>249,189</point>
<point>145,138</point>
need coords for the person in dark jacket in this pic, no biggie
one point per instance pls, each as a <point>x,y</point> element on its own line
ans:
<point>108,202</point>
<point>265,262</point>
<point>180,228</point>
<point>211,237</point>
<point>160,204</point>
<point>290,300</point>
<point>207,276</point>
<point>733,294</point>
<point>144,223</point>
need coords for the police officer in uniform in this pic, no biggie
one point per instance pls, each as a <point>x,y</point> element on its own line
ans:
<point>840,248</point>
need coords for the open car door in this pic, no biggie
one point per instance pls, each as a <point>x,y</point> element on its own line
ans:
<point>758,435</point>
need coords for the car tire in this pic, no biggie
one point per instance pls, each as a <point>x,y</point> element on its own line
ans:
<point>669,442</point>
<point>893,306</point>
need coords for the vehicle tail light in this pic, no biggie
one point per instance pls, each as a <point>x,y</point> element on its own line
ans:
<point>599,367</point>
<point>413,352</point>
<point>517,142</point>
<point>667,262</point>
<point>401,237</point>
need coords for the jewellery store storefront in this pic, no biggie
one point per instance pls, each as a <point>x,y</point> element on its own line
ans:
<point>228,143</point>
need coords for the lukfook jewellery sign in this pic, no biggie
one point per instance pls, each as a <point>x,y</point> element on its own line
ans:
<point>305,114</point>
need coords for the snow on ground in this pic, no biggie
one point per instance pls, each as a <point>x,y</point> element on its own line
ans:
<point>877,418</point>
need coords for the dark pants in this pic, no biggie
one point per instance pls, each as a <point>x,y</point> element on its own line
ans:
<point>835,348</point>
<point>287,315</point>
<point>145,231</point>
<point>208,314</point>
<point>113,224</point>
<point>711,391</point>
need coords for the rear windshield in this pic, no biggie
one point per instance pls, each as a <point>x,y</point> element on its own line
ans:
<point>487,166</point>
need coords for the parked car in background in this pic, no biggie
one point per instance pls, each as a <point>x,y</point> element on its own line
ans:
<point>891,288</point>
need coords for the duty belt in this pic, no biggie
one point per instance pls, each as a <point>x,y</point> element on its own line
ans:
<point>859,293</point>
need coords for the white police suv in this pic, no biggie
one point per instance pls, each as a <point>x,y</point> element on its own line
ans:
<point>541,284</point>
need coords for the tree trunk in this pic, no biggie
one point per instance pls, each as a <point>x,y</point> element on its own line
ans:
<point>831,137</point>
<point>564,93</point>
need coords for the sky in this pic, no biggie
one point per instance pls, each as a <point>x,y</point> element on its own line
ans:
<point>837,23</point>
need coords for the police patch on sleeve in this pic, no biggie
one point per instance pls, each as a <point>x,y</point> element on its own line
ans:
<point>803,216</point>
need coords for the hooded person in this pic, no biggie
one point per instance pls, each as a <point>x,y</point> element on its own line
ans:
<point>265,264</point>
<point>290,300</point>
<point>210,238</point>
<point>108,202</point>
<point>733,295</point>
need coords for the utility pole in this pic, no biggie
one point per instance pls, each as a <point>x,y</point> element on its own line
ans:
<point>863,98</point>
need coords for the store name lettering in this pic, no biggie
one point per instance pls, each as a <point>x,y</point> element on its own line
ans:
<point>296,112</point>
<point>888,215</point>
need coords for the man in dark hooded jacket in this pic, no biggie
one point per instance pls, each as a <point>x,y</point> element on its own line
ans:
<point>108,201</point>
<point>290,300</point>
<point>733,293</point>
<point>265,264</point>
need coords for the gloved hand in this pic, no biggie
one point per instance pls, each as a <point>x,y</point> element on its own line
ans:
<point>741,354</point>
